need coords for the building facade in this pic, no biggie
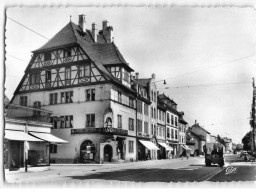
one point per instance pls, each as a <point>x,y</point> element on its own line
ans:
<point>28,141</point>
<point>202,134</point>
<point>104,112</point>
<point>81,77</point>
<point>172,124</point>
<point>182,135</point>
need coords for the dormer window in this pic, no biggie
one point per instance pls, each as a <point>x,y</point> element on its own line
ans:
<point>126,76</point>
<point>47,56</point>
<point>67,53</point>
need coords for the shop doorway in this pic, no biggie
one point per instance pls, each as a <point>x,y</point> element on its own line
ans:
<point>87,151</point>
<point>16,155</point>
<point>108,153</point>
<point>142,155</point>
<point>120,149</point>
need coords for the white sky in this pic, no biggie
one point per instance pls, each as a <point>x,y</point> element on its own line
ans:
<point>169,42</point>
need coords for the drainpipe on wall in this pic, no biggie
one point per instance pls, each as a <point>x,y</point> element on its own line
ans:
<point>137,140</point>
<point>26,149</point>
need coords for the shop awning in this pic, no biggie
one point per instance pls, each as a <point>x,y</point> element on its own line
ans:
<point>149,145</point>
<point>166,146</point>
<point>185,147</point>
<point>20,136</point>
<point>49,138</point>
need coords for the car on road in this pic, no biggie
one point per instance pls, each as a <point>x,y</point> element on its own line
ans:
<point>213,154</point>
<point>243,153</point>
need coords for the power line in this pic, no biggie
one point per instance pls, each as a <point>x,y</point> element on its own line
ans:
<point>202,69</point>
<point>33,31</point>
<point>16,58</point>
<point>207,85</point>
<point>227,121</point>
<point>28,28</point>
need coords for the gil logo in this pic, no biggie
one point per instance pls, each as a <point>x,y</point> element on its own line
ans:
<point>230,170</point>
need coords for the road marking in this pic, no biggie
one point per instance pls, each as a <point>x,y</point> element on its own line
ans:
<point>214,174</point>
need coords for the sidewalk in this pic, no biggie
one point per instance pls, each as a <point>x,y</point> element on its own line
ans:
<point>102,166</point>
<point>127,163</point>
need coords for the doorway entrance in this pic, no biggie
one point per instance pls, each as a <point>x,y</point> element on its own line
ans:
<point>87,151</point>
<point>108,153</point>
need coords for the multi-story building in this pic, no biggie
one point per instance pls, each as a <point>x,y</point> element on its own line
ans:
<point>147,117</point>
<point>202,134</point>
<point>27,138</point>
<point>81,76</point>
<point>161,129</point>
<point>182,134</point>
<point>172,116</point>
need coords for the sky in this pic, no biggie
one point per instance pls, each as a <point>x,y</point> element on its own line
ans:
<point>185,46</point>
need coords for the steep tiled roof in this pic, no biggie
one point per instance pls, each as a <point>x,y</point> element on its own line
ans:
<point>181,120</point>
<point>109,53</point>
<point>198,126</point>
<point>65,36</point>
<point>143,82</point>
<point>163,96</point>
<point>101,53</point>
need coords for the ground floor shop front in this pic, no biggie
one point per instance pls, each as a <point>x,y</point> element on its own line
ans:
<point>27,145</point>
<point>95,147</point>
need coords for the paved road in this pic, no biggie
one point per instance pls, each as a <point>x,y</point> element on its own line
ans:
<point>237,170</point>
<point>171,170</point>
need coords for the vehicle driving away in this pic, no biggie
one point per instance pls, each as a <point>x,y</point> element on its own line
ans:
<point>213,154</point>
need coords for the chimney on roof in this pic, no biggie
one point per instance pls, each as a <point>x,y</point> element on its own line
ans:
<point>82,22</point>
<point>106,30</point>
<point>94,32</point>
<point>195,122</point>
<point>137,75</point>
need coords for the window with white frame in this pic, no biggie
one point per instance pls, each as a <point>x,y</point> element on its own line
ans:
<point>131,146</point>
<point>90,120</point>
<point>90,94</point>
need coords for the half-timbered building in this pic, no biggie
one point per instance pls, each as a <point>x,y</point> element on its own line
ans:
<point>81,76</point>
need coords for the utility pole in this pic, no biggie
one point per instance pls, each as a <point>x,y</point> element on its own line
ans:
<point>253,115</point>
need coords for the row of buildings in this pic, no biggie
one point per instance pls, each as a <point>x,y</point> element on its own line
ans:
<point>97,105</point>
<point>104,112</point>
<point>197,137</point>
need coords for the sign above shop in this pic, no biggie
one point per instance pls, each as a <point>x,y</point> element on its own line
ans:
<point>105,130</point>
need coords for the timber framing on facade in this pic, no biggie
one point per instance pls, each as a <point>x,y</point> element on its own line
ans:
<point>104,112</point>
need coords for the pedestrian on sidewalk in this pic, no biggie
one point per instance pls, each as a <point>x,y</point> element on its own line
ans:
<point>184,154</point>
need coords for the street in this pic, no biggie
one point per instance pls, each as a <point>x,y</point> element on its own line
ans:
<point>170,170</point>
